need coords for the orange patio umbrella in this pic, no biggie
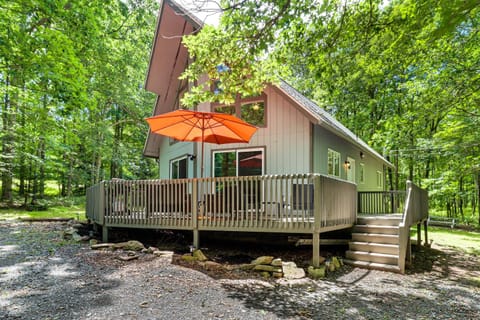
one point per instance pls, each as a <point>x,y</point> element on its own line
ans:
<point>212,127</point>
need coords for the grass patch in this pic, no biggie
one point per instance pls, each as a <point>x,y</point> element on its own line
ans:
<point>466,241</point>
<point>75,212</point>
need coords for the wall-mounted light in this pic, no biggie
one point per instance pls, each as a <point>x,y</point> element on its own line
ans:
<point>191,156</point>
<point>362,155</point>
<point>347,164</point>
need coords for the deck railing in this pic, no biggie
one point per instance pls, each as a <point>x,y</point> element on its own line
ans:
<point>416,211</point>
<point>381,202</point>
<point>286,203</point>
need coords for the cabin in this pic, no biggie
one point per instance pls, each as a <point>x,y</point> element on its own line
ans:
<point>303,172</point>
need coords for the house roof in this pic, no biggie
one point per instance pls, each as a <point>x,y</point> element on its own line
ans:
<point>169,58</point>
<point>326,120</point>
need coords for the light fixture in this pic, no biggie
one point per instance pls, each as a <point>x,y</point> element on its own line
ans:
<point>347,165</point>
<point>362,155</point>
<point>256,107</point>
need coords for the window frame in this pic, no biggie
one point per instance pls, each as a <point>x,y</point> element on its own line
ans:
<point>237,105</point>
<point>361,177</point>
<point>177,160</point>
<point>237,151</point>
<point>379,179</point>
<point>336,169</point>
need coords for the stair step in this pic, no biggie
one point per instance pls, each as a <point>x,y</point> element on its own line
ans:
<point>362,228</point>
<point>374,247</point>
<point>373,265</point>
<point>372,257</point>
<point>392,220</point>
<point>375,237</point>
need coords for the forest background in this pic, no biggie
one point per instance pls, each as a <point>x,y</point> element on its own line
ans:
<point>403,75</point>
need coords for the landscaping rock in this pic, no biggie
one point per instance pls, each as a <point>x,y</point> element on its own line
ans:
<point>246,267</point>
<point>76,237</point>
<point>101,246</point>
<point>199,256</point>
<point>263,260</point>
<point>336,263</point>
<point>188,257</point>
<point>268,268</point>
<point>133,245</point>
<point>316,273</point>
<point>277,262</point>
<point>211,265</point>
<point>291,271</point>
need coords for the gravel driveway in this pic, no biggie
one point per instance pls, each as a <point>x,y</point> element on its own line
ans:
<point>43,276</point>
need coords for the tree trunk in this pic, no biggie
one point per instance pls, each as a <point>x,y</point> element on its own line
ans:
<point>7,145</point>
<point>460,198</point>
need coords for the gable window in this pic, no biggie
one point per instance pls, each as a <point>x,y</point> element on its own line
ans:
<point>362,173</point>
<point>179,168</point>
<point>379,179</point>
<point>248,162</point>
<point>251,110</point>
<point>333,163</point>
<point>254,113</point>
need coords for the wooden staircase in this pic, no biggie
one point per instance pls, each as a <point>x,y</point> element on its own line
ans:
<point>375,243</point>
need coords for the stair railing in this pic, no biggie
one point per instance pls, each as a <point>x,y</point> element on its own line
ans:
<point>416,210</point>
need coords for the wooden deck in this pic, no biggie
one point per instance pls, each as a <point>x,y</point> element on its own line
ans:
<point>309,204</point>
<point>300,204</point>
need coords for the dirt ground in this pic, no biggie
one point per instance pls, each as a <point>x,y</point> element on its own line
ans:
<point>43,276</point>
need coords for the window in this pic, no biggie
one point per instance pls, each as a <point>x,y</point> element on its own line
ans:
<point>254,113</point>
<point>178,168</point>
<point>238,163</point>
<point>379,179</point>
<point>251,110</point>
<point>362,173</point>
<point>333,163</point>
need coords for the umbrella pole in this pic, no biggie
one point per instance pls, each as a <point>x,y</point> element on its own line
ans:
<point>203,136</point>
<point>201,166</point>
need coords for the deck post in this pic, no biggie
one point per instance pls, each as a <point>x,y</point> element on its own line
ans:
<point>196,233</point>
<point>419,234</point>
<point>425,225</point>
<point>101,217</point>
<point>316,249</point>
<point>104,233</point>
<point>317,185</point>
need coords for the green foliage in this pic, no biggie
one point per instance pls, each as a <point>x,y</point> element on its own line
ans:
<point>237,74</point>
<point>59,211</point>
<point>70,84</point>
<point>402,75</point>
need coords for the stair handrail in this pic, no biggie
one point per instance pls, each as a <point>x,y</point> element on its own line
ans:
<point>416,210</point>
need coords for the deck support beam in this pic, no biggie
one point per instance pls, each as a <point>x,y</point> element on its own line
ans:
<point>425,225</point>
<point>419,234</point>
<point>196,239</point>
<point>316,249</point>
<point>104,233</point>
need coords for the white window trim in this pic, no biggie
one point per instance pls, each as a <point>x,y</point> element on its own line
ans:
<point>337,155</point>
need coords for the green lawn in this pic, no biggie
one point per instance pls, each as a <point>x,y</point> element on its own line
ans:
<point>466,241</point>
<point>75,211</point>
